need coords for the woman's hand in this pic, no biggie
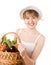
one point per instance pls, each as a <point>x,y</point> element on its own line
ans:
<point>21,49</point>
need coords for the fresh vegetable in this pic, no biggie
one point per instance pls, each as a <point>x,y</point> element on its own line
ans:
<point>14,41</point>
<point>8,45</point>
<point>2,48</point>
<point>16,45</point>
<point>4,38</point>
<point>12,49</point>
<point>8,42</point>
<point>8,49</point>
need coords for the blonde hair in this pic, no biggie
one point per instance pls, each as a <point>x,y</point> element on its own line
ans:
<point>31,12</point>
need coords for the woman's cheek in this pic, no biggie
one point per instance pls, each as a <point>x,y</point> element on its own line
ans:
<point>26,21</point>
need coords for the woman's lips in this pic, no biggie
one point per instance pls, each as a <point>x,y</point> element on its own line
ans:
<point>31,24</point>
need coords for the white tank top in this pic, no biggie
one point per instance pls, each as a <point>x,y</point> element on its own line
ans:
<point>30,46</point>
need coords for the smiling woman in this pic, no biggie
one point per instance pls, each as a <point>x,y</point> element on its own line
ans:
<point>30,18</point>
<point>32,41</point>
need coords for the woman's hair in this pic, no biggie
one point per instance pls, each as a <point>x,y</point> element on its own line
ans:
<point>31,12</point>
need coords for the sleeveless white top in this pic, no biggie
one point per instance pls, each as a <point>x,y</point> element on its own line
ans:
<point>30,46</point>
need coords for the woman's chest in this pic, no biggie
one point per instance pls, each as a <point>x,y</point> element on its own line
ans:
<point>28,37</point>
<point>29,47</point>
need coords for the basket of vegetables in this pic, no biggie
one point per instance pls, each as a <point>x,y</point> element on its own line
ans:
<point>9,54</point>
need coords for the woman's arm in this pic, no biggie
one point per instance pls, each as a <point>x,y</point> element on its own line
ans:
<point>37,50</point>
<point>23,53</point>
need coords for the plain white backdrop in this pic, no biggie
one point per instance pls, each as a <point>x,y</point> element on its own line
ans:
<point>10,21</point>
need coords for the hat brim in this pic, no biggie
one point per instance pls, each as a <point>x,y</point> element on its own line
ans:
<point>31,8</point>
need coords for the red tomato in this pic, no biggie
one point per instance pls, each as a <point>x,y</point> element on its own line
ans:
<point>3,48</point>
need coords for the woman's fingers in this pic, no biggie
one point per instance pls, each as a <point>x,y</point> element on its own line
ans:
<point>21,47</point>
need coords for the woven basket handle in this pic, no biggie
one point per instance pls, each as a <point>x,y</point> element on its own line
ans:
<point>18,38</point>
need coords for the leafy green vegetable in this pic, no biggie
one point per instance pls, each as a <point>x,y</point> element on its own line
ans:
<point>5,43</point>
<point>4,38</point>
<point>8,42</point>
<point>14,41</point>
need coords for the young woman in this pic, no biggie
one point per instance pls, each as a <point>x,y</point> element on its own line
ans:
<point>32,41</point>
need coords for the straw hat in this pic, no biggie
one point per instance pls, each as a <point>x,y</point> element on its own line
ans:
<point>31,8</point>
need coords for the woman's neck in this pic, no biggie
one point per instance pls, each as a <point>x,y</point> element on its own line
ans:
<point>31,30</point>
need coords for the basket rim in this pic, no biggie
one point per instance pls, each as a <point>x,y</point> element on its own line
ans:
<point>18,38</point>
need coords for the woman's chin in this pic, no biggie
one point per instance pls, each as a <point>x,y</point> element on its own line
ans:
<point>31,27</point>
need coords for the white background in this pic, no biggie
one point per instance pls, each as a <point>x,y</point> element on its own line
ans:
<point>10,21</point>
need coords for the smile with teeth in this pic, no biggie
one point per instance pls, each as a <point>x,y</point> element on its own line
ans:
<point>31,24</point>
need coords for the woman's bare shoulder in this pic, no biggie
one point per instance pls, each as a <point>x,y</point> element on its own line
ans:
<point>41,35</point>
<point>41,39</point>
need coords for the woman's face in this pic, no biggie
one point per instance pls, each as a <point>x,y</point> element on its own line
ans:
<point>31,21</point>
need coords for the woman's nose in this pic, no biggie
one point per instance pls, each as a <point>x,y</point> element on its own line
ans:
<point>31,20</point>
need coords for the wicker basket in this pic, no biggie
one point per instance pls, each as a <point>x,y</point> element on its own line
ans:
<point>11,58</point>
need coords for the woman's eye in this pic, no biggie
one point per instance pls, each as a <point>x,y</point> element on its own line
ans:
<point>27,18</point>
<point>33,17</point>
